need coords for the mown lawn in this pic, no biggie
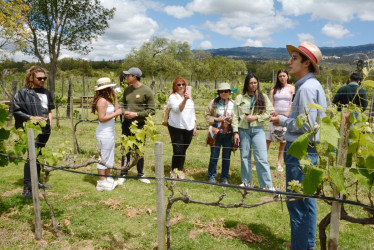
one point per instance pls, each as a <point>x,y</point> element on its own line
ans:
<point>126,217</point>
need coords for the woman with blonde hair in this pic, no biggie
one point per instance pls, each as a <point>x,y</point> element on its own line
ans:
<point>107,107</point>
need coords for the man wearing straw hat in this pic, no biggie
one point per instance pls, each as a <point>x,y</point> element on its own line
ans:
<point>302,65</point>
<point>138,101</point>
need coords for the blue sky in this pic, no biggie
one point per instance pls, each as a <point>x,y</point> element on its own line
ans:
<point>210,24</point>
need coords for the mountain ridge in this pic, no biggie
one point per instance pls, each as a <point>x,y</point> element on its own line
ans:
<point>281,53</point>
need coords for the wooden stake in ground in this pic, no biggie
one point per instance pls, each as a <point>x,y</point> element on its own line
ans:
<point>34,184</point>
<point>159,167</point>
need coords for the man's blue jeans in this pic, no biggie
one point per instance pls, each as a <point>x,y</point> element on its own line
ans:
<point>253,139</point>
<point>303,213</point>
<point>224,140</point>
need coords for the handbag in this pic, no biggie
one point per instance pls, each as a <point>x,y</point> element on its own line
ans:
<point>165,115</point>
<point>278,133</point>
<point>212,135</point>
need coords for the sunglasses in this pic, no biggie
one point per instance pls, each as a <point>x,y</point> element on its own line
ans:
<point>224,91</point>
<point>41,78</point>
<point>181,84</point>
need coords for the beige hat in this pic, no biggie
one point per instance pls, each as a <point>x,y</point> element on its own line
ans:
<point>103,83</point>
<point>311,51</point>
<point>224,86</point>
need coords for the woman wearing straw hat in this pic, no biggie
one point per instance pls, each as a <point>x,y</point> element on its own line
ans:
<point>219,117</point>
<point>106,105</point>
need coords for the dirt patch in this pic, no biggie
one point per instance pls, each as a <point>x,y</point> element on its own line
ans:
<point>11,192</point>
<point>217,229</point>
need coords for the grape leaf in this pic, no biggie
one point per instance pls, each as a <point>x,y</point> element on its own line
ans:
<point>298,148</point>
<point>313,177</point>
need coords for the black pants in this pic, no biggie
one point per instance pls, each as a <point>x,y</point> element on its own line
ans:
<point>140,165</point>
<point>41,141</point>
<point>181,139</point>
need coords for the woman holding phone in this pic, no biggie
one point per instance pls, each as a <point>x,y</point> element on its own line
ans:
<point>181,124</point>
<point>251,109</point>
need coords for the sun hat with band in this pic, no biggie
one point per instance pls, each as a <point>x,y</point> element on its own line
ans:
<point>224,86</point>
<point>104,83</point>
<point>311,51</point>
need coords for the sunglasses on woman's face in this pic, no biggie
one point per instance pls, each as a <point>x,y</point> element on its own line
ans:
<point>224,91</point>
<point>41,78</point>
<point>181,84</point>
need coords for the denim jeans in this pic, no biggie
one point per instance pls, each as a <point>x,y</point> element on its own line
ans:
<point>253,139</point>
<point>224,140</point>
<point>303,213</point>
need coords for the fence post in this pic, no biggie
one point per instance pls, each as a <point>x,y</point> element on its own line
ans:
<point>159,167</point>
<point>34,183</point>
<point>76,149</point>
<point>70,98</point>
<point>341,160</point>
<point>13,93</point>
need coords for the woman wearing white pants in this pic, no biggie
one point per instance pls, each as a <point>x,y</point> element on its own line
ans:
<point>106,105</point>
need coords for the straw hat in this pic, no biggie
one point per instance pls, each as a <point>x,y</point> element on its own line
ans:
<point>311,51</point>
<point>104,83</point>
<point>224,86</point>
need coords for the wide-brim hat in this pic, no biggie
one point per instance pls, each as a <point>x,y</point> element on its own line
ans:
<point>224,86</point>
<point>104,83</point>
<point>311,51</point>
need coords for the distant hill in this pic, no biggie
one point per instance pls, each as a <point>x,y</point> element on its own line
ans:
<point>282,54</point>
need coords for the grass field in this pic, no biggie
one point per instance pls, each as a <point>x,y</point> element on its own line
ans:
<point>125,218</point>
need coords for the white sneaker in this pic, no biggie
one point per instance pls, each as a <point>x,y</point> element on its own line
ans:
<point>120,181</point>
<point>104,185</point>
<point>144,180</point>
<point>110,179</point>
<point>243,184</point>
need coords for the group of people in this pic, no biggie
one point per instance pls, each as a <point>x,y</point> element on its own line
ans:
<point>233,124</point>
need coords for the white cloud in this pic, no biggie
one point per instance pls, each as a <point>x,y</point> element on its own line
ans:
<point>334,10</point>
<point>178,11</point>
<point>205,45</point>
<point>186,35</point>
<point>305,37</point>
<point>335,31</point>
<point>252,43</point>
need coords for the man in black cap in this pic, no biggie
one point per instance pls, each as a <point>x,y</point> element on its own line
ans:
<point>138,102</point>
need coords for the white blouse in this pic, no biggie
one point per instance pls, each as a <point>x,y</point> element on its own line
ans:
<point>182,120</point>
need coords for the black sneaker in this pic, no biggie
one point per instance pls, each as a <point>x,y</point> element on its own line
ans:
<point>27,194</point>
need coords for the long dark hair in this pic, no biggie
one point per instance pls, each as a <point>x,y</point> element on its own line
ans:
<point>260,104</point>
<point>103,93</point>
<point>278,84</point>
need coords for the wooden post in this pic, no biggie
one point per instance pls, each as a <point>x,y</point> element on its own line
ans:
<point>62,85</point>
<point>70,98</point>
<point>34,184</point>
<point>72,126</point>
<point>341,160</point>
<point>160,195</point>
<point>3,82</point>
<point>371,112</point>
<point>14,91</point>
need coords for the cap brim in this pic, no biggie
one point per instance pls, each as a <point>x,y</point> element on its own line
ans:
<point>291,49</point>
<point>126,72</point>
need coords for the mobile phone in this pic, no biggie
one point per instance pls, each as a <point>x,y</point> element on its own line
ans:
<point>188,90</point>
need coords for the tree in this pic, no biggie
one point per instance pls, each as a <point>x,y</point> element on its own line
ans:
<point>12,19</point>
<point>63,24</point>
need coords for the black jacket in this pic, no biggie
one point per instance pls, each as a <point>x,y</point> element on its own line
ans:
<point>26,103</point>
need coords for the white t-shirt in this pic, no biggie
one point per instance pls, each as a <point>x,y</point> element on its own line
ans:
<point>185,119</point>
